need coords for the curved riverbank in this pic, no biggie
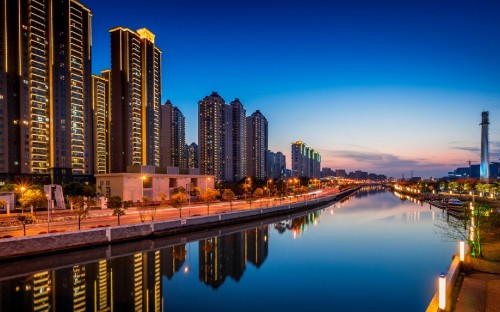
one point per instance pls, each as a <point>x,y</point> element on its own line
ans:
<point>31,245</point>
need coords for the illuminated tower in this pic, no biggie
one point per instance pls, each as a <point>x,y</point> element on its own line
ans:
<point>485,153</point>
<point>45,81</point>
<point>135,99</point>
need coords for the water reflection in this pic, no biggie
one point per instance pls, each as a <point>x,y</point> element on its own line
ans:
<point>227,256</point>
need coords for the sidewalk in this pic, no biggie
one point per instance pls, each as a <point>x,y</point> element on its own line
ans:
<point>479,292</point>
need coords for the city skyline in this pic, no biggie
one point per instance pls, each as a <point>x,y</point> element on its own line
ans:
<point>427,66</point>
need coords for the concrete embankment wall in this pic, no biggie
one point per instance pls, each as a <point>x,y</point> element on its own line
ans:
<point>30,245</point>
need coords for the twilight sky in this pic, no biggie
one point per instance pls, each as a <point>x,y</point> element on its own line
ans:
<point>385,86</point>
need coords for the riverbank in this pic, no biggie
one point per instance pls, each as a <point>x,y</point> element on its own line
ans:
<point>26,246</point>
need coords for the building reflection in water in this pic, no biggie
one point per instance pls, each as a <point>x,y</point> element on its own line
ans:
<point>130,283</point>
<point>134,282</point>
<point>227,256</point>
<point>298,225</point>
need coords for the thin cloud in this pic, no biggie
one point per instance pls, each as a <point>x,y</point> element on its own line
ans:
<point>382,160</point>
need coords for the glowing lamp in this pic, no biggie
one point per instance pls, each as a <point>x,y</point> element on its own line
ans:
<point>462,250</point>
<point>442,291</point>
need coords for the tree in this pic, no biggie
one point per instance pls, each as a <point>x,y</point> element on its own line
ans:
<point>228,195</point>
<point>88,190</point>
<point>209,196</point>
<point>33,198</point>
<point>73,189</point>
<point>3,202</point>
<point>27,218</point>
<point>115,203</point>
<point>162,196</point>
<point>472,229</point>
<point>80,208</point>
<point>177,200</point>
<point>258,192</point>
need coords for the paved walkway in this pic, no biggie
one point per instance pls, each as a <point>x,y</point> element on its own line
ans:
<point>479,292</point>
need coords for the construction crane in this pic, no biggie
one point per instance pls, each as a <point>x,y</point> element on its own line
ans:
<point>470,161</point>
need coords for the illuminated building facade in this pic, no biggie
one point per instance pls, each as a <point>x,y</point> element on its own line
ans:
<point>484,167</point>
<point>306,162</point>
<point>135,99</point>
<point>45,89</point>
<point>257,144</point>
<point>215,139</point>
<point>101,98</point>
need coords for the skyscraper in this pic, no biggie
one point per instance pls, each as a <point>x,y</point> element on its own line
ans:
<point>485,153</point>
<point>101,97</point>
<point>135,98</point>
<point>239,140</point>
<point>257,142</point>
<point>45,82</point>
<point>215,139</point>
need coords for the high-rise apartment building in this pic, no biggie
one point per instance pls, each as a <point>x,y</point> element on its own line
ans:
<point>306,162</point>
<point>45,88</point>
<point>101,98</point>
<point>173,137</point>
<point>135,98</point>
<point>166,134</point>
<point>239,140</point>
<point>214,137</point>
<point>178,138</point>
<point>276,165</point>
<point>257,142</point>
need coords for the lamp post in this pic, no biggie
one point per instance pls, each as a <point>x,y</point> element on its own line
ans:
<point>143,178</point>
<point>48,213</point>
<point>188,186</point>
<point>268,190</point>
<point>206,183</point>
<point>22,192</point>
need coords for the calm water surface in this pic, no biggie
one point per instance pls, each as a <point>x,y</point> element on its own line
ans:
<point>372,252</point>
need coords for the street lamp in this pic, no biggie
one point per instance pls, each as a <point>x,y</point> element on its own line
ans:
<point>206,183</point>
<point>268,190</point>
<point>48,213</point>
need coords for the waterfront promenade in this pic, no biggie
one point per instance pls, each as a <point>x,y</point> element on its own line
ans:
<point>65,220</point>
<point>164,224</point>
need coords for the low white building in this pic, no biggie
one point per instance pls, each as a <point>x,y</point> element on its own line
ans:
<point>133,186</point>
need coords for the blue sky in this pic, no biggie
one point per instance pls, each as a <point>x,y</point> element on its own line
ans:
<point>383,86</point>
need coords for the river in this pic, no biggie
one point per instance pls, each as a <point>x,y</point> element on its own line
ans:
<point>371,252</point>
